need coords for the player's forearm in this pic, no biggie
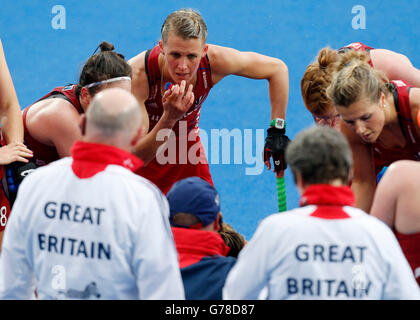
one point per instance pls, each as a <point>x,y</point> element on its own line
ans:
<point>278,86</point>
<point>364,193</point>
<point>148,146</point>
<point>12,123</point>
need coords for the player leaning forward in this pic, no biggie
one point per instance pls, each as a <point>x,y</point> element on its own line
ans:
<point>344,253</point>
<point>184,59</point>
<point>87,226</point>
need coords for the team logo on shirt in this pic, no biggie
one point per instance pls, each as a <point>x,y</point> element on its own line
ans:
<point>399,83</point>
<point>354,45</point>
<point>69,87</point>
<point>90,290</point>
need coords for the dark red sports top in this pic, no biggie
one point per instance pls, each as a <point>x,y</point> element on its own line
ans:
<point>4,203</point>
<point>410,245</point>
<point>164,175</point>
<point>44,154</point>
<point>357,46</point>
<point>154,104</point>
<point>411,151</point>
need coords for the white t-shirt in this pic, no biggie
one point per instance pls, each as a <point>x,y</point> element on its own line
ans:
<point>297,256</point>
<point>104,237</point>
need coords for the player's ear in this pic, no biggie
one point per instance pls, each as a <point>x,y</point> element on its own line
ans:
<point>82,124</point>
<point>85,98</point>
<point>161,47</point>
<point>205,50</point>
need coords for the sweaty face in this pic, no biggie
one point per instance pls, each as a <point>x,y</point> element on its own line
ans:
<point>365,117</point>
<point>182,57</point>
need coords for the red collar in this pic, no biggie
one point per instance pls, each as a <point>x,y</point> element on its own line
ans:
<point>325,194</point>
<point>193,245</point>
<point>92,158</point>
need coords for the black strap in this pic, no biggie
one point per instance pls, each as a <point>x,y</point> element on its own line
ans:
<point>146,63</point>
<point>57,94</point>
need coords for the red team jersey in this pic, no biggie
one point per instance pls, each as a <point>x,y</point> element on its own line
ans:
<point>188,142</point>
<point>356,46</point>
<point>4,203</point>
<point>411,151</point>
<point>44,154</point>
<point>410,245</point>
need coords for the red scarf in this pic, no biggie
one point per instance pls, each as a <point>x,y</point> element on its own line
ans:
<point>92,158</point>
<point>193,245</point>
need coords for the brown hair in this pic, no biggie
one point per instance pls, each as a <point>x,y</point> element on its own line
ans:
<point>185,23</point>
<point>184,219</point>
<point>104,65</point>
<point>234,240</point>
<point>354,79</point>
<point>316,79</point>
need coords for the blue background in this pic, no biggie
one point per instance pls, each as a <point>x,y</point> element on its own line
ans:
<point>40,58</point>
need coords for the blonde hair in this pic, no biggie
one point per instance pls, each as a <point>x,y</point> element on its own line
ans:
<point>185,23</point>
<point>355,79</point>
<point>316,79</point>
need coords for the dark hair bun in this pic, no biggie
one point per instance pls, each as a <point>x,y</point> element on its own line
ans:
<point>106,46</point>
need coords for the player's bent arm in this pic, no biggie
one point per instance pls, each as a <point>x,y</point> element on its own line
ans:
<point>11,116</point>
<point>57,125</point>
<point>384,204</point>
<point>364,179</point>
<point>147,148</point>
<point>396,66</point>
<point>225,61</point>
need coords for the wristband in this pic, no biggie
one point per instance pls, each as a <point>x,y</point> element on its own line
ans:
<point>278,123</point>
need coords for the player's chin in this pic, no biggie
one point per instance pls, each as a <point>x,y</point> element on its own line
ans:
<point>369,138</point>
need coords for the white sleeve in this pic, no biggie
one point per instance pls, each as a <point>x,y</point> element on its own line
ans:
<point>17,280</point>
<point>401,283</point>
<point>250,274</point>
<point>156,259</point>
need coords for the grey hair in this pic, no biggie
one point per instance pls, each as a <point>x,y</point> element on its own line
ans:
<point>185,23</point>
<point>320,154</point>
<point>111,124</point>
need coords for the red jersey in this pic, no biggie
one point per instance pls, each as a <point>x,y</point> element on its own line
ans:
<point>411,151</point>
<point>186,129</point>
<point>4,203</point>
<point>356,46</point>
<point>44,154</point>
<point>410,245</point>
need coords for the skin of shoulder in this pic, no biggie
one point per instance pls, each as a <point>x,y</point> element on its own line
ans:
<point>415,107</point>
<point>395,65</point>
<point>139,82</point>
<point>54,122</point>
<point>396,201</point>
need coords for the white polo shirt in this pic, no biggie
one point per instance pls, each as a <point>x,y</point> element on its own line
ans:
<point>322,252</point>
<point>106,237</point>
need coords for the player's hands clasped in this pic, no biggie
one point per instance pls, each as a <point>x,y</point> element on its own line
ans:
<point>14,152</point>
<point>275,147</point>
<point>177,100</point>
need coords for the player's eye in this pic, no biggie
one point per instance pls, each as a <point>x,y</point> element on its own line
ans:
<point>366,117</point>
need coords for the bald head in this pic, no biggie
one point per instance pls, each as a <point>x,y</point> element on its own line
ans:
<point>114,117</point>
